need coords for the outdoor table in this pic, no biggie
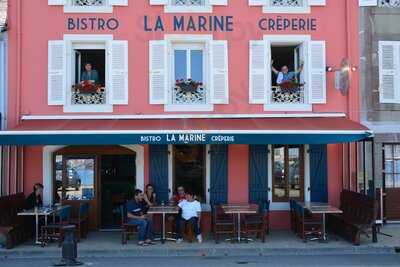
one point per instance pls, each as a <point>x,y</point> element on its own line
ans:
<point>238,210</point>
<point>163,210</point>
<point>37,212</point>
<point>323,209</point>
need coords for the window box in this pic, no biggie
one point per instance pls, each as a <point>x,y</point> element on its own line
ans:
<point>88,6</point>
<point>287,6</point>
<point>186,6</point>
<point>183,57</point>
<point>82,88</point>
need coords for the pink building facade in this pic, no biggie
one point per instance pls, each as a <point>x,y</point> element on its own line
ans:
<point>183,93</point>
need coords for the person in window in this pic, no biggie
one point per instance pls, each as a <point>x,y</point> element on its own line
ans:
<point>90,75</point>
<point>136,213</point>
<point>285,76</point>
<point>191,211</point>
<point>35,199</point>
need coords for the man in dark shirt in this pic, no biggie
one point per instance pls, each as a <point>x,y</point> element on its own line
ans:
<point>35,198</point>
<point>136,213</point>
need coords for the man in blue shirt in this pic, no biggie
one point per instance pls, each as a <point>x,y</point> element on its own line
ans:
<point>90,75</point>
<point>285,75</point>
<point>136,213</point>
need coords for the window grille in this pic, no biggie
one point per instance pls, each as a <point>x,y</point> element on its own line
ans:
<point>188,2</point>
<point>89,2</point>
<point>389,3</point>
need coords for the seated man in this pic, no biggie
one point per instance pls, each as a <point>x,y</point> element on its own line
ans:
<point>136,216</point>
<point>285,76</point>
<point>191,210</point>
<point>180,195</point>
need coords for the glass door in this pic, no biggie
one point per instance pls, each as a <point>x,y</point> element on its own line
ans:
<point>287,173</point>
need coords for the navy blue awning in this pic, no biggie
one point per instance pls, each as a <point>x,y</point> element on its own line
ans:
<point>187,131</point>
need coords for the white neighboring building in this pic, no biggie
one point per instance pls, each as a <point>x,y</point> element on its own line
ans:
<point>3,62</point>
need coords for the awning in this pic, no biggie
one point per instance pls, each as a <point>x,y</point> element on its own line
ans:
<point>329,130</point>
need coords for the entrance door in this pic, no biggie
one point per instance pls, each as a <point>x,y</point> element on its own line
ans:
<point>189,169</point>
<point>117,185</point>
<point>391,180</point>
<point>76,181</point>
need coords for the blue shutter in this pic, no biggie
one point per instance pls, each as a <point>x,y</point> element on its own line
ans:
<point>159,170</point>
<point>258,173</point>
<point>218,174</point>
<point>318,173</point>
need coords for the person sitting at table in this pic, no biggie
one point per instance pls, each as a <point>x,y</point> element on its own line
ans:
<point>191,211</point>
<point>35,199</point>
<point>150,196</point>
<point>136,213</point>
<point>180,195</point>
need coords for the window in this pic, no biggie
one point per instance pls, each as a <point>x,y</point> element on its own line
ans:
<point>287,173</point>
<point>287,73</point>
<point>75,178</point>
<point>389,71</point>
<point>188,73</point>
<point>194,6</point>
<point>188,2</point>
<point>287,6</point>
<point>392,165</point>
<point>189,169</point>
<point>287,84</point>
<point>88,73</point>
<point>389,3</point>
<point>81,6</point>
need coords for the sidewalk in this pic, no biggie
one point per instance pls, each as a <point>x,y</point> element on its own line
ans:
<point>108,244</point>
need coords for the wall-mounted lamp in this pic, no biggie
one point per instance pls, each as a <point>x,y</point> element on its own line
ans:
<point>329,69</point>
<point>354,68</point>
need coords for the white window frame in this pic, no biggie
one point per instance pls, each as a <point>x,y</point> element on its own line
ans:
<point>208,173</point>
<point>86,42</point>
<point>285,206</point>
<point>69,7</point>
<point>181,41</point>
<point>171,8</point>
<point>289,40</point>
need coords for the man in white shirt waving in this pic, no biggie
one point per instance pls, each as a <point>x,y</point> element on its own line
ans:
<point>191,210</point>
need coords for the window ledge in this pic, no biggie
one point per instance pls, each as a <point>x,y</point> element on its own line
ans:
<point>88,9</point>
<point>288,10</point>
<point>287,107</point>
<point>188,108</point>
<point>188,9</point>
<point>88,108</point>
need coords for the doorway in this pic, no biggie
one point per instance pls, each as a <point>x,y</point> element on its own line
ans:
<point>189,169</point>
<point>391,181</point>
<point>118,182</point>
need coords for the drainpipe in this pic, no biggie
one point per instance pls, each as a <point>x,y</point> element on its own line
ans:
<point>19,62</point>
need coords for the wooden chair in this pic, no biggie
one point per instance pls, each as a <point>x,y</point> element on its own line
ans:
<point>308,227</point>
<point>126,229</point>
<point>258,224</point>
<point>81,222</point>
<point>222,223</point>
<point>55,230</point>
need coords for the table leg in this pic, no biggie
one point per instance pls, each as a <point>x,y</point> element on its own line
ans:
<point>239,230</point>
<point>163,228</point>
<point>37,228</point>
<point>45,220</point>
<point>324,238</point>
